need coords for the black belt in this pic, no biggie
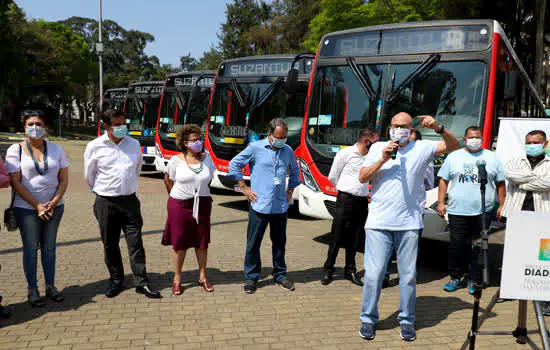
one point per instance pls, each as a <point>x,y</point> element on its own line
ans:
<point>117,197</point>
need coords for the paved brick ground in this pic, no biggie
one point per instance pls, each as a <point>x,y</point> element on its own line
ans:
<point>314,316</point>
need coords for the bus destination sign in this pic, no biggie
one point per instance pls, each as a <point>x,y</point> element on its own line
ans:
<point>410,40</point>
<point>147,90</point>
<point>256,68</point>
<point>116,95</point>
<point>192,81</point>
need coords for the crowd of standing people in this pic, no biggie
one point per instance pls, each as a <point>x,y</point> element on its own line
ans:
<point>384,219</point>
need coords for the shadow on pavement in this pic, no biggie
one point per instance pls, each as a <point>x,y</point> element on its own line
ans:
<point>432,260</point>
<point>441,309</point>
<point>98,238</point>
<point>242,205</point>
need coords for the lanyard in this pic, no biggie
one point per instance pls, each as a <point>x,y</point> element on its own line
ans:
<point>275,161</point>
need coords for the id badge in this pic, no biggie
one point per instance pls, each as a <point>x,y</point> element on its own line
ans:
<point>276,181</point>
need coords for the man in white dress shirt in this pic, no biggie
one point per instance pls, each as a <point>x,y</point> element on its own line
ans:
<point>351,205</point>
<point>112,164</point>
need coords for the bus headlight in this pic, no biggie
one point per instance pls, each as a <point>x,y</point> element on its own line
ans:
<point>308,179</point>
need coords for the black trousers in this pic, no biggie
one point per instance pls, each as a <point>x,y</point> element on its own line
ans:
<point>348,229</point>
<point>462,259</point>
<point>113,215</point>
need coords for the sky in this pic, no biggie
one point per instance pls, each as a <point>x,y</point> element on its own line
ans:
<point>179,26</point>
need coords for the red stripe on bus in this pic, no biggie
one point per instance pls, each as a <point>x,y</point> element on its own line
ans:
<point>490,103</point>
<point>229,106</point>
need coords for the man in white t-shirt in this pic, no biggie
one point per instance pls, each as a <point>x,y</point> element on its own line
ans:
<point>396,170</point>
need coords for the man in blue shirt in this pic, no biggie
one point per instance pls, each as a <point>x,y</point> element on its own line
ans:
<point>270,160</point>
<point>460,171</point>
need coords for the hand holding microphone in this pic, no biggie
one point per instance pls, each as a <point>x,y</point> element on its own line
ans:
<point>390,151</point>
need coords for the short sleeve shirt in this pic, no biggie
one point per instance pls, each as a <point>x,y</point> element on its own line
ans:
<point>460,169</point>
<point>187,183</point>
<point>398,191</point>
<point>42,187</point>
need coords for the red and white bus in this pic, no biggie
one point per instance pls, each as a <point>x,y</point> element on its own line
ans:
<point>462,72</point>
<point>112,99</point>
<point>184,100</point>
<point>247,94</point>
<point>141,109</point>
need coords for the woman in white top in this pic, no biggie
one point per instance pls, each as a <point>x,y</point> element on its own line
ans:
<point>39,177</point>
<point>187,177</point>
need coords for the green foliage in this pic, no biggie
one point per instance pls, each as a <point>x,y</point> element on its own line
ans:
<point>210,60</point>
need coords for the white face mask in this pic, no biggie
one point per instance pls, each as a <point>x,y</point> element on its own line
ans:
<point>35,132</point>
<point>473,144</point>
<point>400,134</point>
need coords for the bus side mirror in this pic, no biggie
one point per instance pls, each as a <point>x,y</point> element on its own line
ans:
<point>291,81</point>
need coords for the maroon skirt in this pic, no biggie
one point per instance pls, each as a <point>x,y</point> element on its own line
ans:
<point>181,230</point>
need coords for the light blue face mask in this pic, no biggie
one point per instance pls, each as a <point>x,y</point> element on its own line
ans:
<point>278,143</point>
<point>120,131</point>
<point>534,150</point>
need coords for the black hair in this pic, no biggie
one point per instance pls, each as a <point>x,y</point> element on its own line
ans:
<point>418,135</point>
<point>471,128</point>
<point>536,132</point>
<point>111,113</point>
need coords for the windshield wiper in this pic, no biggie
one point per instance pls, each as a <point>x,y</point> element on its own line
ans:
<point>267,94</point>
<point>418,74</point>
<point>237,91</point>
<point>364,79</point>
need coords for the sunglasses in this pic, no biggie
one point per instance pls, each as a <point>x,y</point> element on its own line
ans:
<point>33,113</point>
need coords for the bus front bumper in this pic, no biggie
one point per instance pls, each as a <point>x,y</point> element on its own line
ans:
<point>223,181</point>
<point>316,204</point>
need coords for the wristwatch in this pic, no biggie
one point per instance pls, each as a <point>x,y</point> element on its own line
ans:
<point>441,130</point>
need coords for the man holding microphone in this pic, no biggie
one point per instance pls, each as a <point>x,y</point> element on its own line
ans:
<point>396,170</point>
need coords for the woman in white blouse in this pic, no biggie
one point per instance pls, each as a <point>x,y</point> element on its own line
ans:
<point>39,177</point>
<point>187,177</point>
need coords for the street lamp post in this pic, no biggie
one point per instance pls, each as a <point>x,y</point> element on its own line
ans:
<point>99,50</point>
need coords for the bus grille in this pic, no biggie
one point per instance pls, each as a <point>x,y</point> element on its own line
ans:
<point>331,207</point>
<point>224,152</point>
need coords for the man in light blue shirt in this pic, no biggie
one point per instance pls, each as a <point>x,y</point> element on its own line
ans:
<point>459,174</point>
<point>396,170</point>
<point>270,160</point>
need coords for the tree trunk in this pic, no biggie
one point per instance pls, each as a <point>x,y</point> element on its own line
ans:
<point>540,12</point>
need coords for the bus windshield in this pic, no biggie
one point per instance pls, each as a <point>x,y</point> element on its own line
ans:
<point>141,115</point>
<point>178,108</point>
<point>241,111</point>
<point>452,92</point>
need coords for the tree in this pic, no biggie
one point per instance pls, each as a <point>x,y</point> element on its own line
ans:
<point>188,63</point>
<point>290,22</point>
<point>540,15</point>
<point>210,59</point>
<point>241,17</point>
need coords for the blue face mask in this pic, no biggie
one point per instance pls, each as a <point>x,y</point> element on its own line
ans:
<point>534,150</point>
<point>279,143</point>
<point>120,131</point>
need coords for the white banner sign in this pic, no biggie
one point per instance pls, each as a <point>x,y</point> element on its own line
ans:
<point>526,265</point>
<point>511,135</point>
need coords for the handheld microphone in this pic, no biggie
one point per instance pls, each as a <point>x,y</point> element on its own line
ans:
<point>394,153</point>
<point>481,171</point>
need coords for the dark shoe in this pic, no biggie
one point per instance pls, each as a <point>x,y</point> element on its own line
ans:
<point>327,278</point>
<point>148,292</point>
<point>34,299</point>
<point>367,331</point>
<point>113,290</point>
<point>4,313</point>
<point>285,284</point>
<point>53,294</point>
<point>408,333</point>
<point>354,278</point>
<point>250,287</point>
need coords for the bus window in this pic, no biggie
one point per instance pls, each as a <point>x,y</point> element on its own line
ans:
<point>452,92</point>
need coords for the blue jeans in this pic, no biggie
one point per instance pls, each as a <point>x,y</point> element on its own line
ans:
<point>257,224</point>
<point>379,245</point>
<point>35,233</point>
